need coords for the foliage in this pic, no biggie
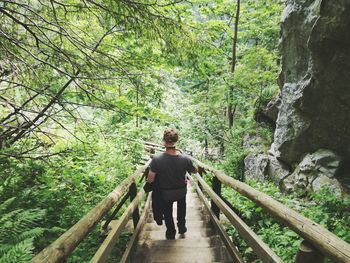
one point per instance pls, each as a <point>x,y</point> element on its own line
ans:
<point>79,82</point>
<point>323,207</point>
<point>83,82</point>
<point>67,187</point>
<point>54,68</point>
<point>18,230</point>
<point>331,211</point>
<point>204,72</point>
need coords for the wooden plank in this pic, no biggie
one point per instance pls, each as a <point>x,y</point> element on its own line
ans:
<point>131,245</point>
<point>253,240</point>
<point>116,210</point>
<point>325,241</point>
<point>59,250</point>
<point>231,248</point>
<point>135,214</point>
<point>152,148</point>
<point>107,245</point>
<point>144,176</point>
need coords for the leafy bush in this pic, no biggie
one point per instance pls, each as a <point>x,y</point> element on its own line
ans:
<point>323,207</point>
<point>18,230</point>
<point>331,211</point>
<point>57,194</point>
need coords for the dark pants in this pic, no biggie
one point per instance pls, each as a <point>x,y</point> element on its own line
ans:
<point>168,216</point>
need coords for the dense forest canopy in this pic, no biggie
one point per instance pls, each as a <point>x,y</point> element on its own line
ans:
<point>80,81</point>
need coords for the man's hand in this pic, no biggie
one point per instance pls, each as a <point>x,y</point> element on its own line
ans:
<point>151,176</point>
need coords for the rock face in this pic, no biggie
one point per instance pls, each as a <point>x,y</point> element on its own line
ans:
<point>315,78</point>
<point>256,166</point>
<point>311,146</point>
<point>314,171</point>
<point>269,113</point>
<point>277,171</point>
<point>272,108</point>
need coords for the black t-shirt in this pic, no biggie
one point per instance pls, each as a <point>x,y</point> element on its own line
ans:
<point>171,170</point>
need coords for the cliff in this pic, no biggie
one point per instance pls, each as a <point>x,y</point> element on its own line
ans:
<point>311,144</point>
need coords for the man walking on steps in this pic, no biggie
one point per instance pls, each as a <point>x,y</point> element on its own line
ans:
<point>169,169</point>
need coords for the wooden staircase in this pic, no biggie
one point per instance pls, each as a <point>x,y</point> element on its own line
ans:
<point>206,239</point>
<point>200,244</point>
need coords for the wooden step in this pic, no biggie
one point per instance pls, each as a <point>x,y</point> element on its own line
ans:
<point>212,241</point>
<point>199,244</point>
<point>159,234</point>
<point>190,222</point>
<point>192,225</point>
<point>204,261</point>
<point>191,202</point>
<point>177,254</point>
<point>190,213</point>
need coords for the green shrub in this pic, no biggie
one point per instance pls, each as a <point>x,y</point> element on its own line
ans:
<point>323,207</point>
<point>18,230</point>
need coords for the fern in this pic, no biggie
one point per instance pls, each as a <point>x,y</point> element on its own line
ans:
<point>18,230</point>
<point>32,233</point>
<point>5,204</point>
<point>21,252</point>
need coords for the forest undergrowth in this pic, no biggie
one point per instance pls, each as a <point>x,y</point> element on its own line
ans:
<point>82,81</point>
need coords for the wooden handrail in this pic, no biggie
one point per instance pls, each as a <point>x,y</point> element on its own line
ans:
<point>60,249</point>
<point>231,248</point>
<point>325,241</point>
<point>115,212</point>
<point>161,147</point>
<point>132,243</point>
<point>314,234</point>
<point>117,228</point>
<point>263,251</point>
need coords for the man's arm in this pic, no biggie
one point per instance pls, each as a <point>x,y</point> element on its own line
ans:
<point>151,176</point>
<point>191,168</point>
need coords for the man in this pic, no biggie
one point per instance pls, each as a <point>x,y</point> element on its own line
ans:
<point>169,169</point>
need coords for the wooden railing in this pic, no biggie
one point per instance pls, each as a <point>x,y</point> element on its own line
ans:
<point>318,241</point>
<point>60,249</point>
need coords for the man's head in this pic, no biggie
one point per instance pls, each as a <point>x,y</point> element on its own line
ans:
<point>170,137</point>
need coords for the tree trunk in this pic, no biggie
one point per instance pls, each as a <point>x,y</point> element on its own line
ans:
<point>231,108</point>
<point>206,144</point>
<point>137,105</point>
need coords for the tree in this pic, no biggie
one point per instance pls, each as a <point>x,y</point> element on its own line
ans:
<point>53,64</point>
<point>230,108</point>
<point>237,55</point>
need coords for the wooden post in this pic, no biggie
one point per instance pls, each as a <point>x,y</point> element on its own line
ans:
<point>201,171</point>
<point>144,176</point>
<point>216,185</point>
<point>307,253</point>
<point>135,214</point>
<point>114,213</point>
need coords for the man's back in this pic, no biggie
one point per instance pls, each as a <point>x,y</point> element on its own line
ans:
<point>171,170</point>
<point>168,171</point>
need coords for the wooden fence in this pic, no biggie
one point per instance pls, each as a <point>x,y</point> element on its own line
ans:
<point>318,242</point>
